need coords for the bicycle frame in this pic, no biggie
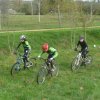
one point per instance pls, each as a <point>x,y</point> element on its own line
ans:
<point>79,57</point>
<point>48,63</point>
<point>19,59</point>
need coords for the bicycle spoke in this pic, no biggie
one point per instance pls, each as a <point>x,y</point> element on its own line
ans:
<point>75,64</point>
<point>15,69</point>
<point>55,70</point>
<point>88,60</point>
<point>41,75</point>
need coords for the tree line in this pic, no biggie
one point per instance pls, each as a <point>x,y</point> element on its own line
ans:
<point>49,6</point>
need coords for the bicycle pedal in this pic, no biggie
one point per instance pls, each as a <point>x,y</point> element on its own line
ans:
<point>52,70</point>
<point>17,69</point>
<point>28,66</point>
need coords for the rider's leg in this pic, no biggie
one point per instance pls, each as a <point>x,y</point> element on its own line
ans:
<point>52,65</point>
<point>83,56</point>
<point>83,53</point>
<point>49,62</point>
<point>24,61</point>
<point>25,57</point>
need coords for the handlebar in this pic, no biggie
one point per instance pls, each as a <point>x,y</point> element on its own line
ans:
<point>41,58</point>
<point>46,60</point>
<point>35,58</point>
<point>17,54</point>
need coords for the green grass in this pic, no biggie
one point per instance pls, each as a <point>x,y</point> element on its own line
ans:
<point>27,22</point>
<point>82,85</point>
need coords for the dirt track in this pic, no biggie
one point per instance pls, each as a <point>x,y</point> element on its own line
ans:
<point>46,29</point>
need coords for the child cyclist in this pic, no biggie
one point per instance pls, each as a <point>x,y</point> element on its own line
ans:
<point>27,48</point>
<point>84,46</point>
<point>52,53</point>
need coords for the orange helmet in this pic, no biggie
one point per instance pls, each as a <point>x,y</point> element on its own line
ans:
<point>45,47</point>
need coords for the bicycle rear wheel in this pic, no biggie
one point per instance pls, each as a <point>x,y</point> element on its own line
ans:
<point>42,75</point>
<point>15,68</point>
<point>75,64</point>
<point>55,70</point>
<point>33,62</point>
<point>88,60</point>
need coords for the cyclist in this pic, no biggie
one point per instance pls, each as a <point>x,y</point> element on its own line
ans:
<point>52,53</point>
<point>27,49</point>
<point>84,46</point>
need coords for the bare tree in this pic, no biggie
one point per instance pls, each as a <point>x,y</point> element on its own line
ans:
<point>4,5</point>
<point>39,8</point>
<point>31,7</point>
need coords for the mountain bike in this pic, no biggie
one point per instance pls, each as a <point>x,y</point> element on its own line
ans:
<point>46,70</point>
<point>79,61</point>
<point>19,64</point>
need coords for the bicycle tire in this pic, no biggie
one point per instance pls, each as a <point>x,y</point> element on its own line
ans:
<point>56,70</point>
<point>89,60</point>
<point>42,75</point>
<point>33,61</point>
<point>15,68</point>
<point>74,65</point>
<point>31,64</point>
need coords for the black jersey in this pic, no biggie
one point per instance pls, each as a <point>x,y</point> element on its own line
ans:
<point>82,44</point>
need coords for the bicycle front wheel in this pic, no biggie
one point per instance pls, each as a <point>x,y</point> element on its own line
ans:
<point>76,64</point>
<point>42,75</point>
<point>15,68</point>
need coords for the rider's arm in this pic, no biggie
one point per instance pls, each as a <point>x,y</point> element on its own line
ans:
<point>18,46</point>
<point>40,54</point>
<point>86,44</point>
<point>55,55</point>
<point>53,50</point>
<point>28,45</point>
<point>78,44</point>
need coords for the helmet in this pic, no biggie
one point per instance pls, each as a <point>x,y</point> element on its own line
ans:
<point>81,38</point>
<point>45,47</point>
<point>22,37</point>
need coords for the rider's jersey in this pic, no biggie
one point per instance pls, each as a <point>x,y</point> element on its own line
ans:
<point>51,51</point>
<point>25,45</point>
<point>82,44</point>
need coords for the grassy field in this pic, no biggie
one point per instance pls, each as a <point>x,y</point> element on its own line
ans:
<point>82,85</point>
<point>27,22</point>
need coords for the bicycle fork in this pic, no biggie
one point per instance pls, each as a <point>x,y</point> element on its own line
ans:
<point>78,59</point>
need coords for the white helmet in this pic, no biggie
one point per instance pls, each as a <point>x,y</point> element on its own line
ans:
<point>22,37</point>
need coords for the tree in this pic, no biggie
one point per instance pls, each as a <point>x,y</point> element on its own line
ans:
<point>16,4</point>
<point>26,8</point>
<point>4,6</point>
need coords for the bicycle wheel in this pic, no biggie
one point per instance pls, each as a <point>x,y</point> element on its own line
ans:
<point>15,68</point>
<point>55,70</point>
<point>42,75</point>
<point>88,60</point>
<point>32,62</point>
<point>76,64</point>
